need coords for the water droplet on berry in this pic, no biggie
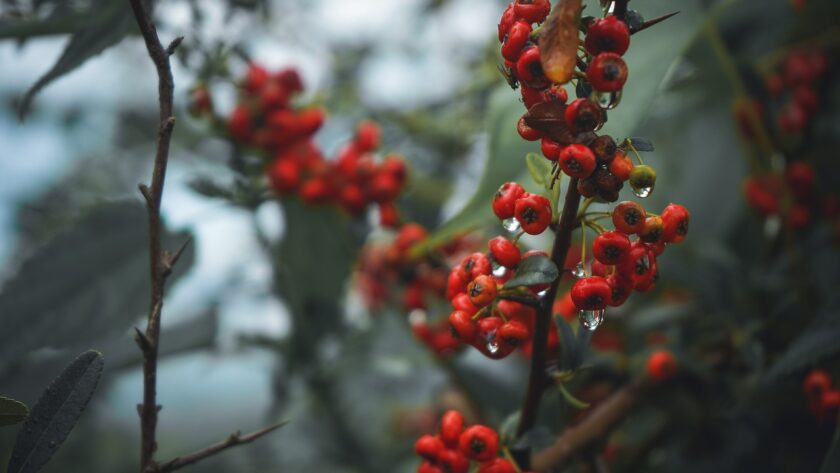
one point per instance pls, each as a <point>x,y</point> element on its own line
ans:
<point>606,100</point>
<point>499,271</point>
<point>591,319</point>
<point>542,293</point>
<point>493,346</point>
<point>511,225</point>
<point>642,192</point>
<point>579,271</point>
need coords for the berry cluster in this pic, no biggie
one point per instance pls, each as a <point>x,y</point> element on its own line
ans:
<point>456,445</point>
<point>622,265</point>
<point>795,85</point>
<point>266,120</point>
<point>823,398</point>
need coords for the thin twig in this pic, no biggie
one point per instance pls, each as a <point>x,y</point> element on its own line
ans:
<point>233,440</point>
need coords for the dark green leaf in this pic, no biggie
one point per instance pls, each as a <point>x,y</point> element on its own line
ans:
<point>87,282</point>
<point>641,144</point>
<point>568,344</point>
<point>210,188</point>
<point>11,411</point>
<point>575,402</point>
<point>111,21</point>
<point>55,414</point>
<point>533,270</point>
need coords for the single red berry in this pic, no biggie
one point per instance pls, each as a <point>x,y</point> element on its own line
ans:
<point>428,447</point>
<point>255,79</point>
<point>761,196</point>
<point>792,118</point>
<point>504,251</point>
<point>289,79</point>
<point>517,37</point>
<point>591,293</point>
<point>577,160</point>
<point>600,269</point>
<point>463,326</point>
<point>200,100</point>
<point>534,11</point>
<point>620,289</point>
<point>550,149</point>
<point>526,132</point>
<point>830,402</point>
<point>240,124</point>
<point>583,115</point>
<point>556,93</point>
<point>395,166</point>
<point>508,18</point>
<point>384,187</point>
<point>798,217</point>
<point>429,467</point>
<point>504,201</point>
<point>800,177</point>
<point>533,213</point>
<point>621,166</point>
<point>479,442</point>
<point>529,69</point>
<point>409,235</point>
<point>661,365</point>
<point>531,96</point>
<point>607,72</point>
<point>482,290</point>
<point>647,283</point>
<point>607,35</point>
<point>475,265</point>
<point>638,264</point>
<point>497,465</point>
<point>652,230</point>
<point>453,461</point>
<point>456,283</point>
<point>816,383</point>
<point>451,426</point>
<point>388,215</point>
<point>353,199</point>
<point>463,303</point>
<point>628,217</point>
<point>284,175</point>
<point>513,333</point>
<point>273,96</point>
<point>604,148</point>
<point>367,136</point>
<point>674,223</point>
<point>316,191</point>
<point>610,247</point>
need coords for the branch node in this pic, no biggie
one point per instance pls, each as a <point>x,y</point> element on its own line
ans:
<point>146,192</point>
<point>170,50</point>
<point>143,342</point>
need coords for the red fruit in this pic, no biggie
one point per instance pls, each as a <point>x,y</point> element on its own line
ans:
<point>479,442</point>
<point>454,461</point>
<point>610,247</point>
<point>607,35</point>
<point>550,149</point>
<point>475,265</point>
<point>556,93</point>
<point>760,197</point>
<point>774,84</point>
<point>427,467</point>
<point>807,98</point>
<point>652,230</point>
<point>255,79</point>
<point>456,283</point>
<point>620,289</point>
<point>639,263</point>
<point>792,118</point>
<point>577,160</point>
<point>816,383</point>
<point>529,69</point>
<point>394,166</point>
<point>534,11</point>
<point>367,136</point>
<point>284,175</point>
<point>533,213</point>
<point>428,447</point>
<point>353,199</point>
<point>504,251</point>
<point>830,402</point>
<point>600,269</point>
<point>797,69</point>
<point>482,290</point>
<point>798,217</point>
<point>315,191</point>
<point>388,215</point>
<point>531,97</point>
<point>646,284</point>
<point>583,115</point>
<point>661,365</point>
<point>513,334</point>
<point>621,166</point>
<point>384,187</point>
<point>591,293</point>
<point>409,235</point>
<point>526,132</point>
<point>273,96</point>
<point>517,37</point>
<point>451,426</point>
<point>504,201</point>
<point>497,465</point>
<point>674,223</point>
<point>629,217</point>
<point>463,303</point>
<point>200,100</point>
<point>463,326</point>
<point>508,18</point>
<point>289,79</point>
<point>240,124</point>
<point>607,72</point>
<point>800,176</point>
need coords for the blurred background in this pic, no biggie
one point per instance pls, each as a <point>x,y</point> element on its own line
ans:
<point>747,303</point>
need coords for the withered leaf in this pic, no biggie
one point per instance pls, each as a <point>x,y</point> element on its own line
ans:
<point>547,117</point>
<point>559,41</point>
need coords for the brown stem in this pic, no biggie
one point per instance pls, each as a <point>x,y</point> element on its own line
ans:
<point>596,426</point>
<point>620,10</point>
<point>537,376</point>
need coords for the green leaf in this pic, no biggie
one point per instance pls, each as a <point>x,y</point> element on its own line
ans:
<point>55,414</point>
<point>641,144</point>
<point>539,168</point>
<point>504,150</point>
<point>87,282</point>
<point>568,344</point>
<point>571,399</point>
<point>11,411</point>
<point>533,270</point>
<point>111,21</point>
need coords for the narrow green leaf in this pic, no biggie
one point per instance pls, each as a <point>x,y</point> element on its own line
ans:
<point>641,144</point>
<point>11,411</point>
<point>539,168</point>
<point>533,270</point>
<point>568,343</point>
<point>571,399</point>
<point>55,414</point>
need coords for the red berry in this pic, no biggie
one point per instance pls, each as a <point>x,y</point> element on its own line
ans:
<point>583,115</point>
<point>255,79</point>
<point>475,265</point>
<point>517,37</point>
<point>816,383</point>
<point>550,149</point>
<point>607,72</point>
<point>315,191</point>
<point>428,447</point>
<point>384,187</point>
<point>529,69</point>
<point>760,196</point>
<point>504,251</point>
<point>200,100</point>
<point>652,230</point>
<point>463,326</point>
<point>367,136</point>
<point>463,303</point>
<point>526,132</point>
<point>556,93</point>
<point>454,461</point>
<point>620,289</point>
<point>661,365</point>
<point>353,199</point>
<point>289,79</point>
<point>638,266</point>
<point>504,201</point>
<point>497,465</point>
<point>674,223</point>
<point>610,247</point>
<point>830,402</point>
<point>591,293</point>
<point>388,216</point>
<point>628,217</point>
<point>409,235</point>
<point>284,175</point>
<point>621,166</point>
<point>534,11</point>
<point>513,333</point>
<point>792,118</point>
<point>451,426</point>
<point>577,160</point>
<point>479,442</point>
<point>456,283</point>
<point>482,290</point>
<point>533,213</point>
<point>607,35</point>
<point>508,18</point>
<point>240,124</point>
<point>428,467</point>
<point>798,217</point>
<point>800,176</point>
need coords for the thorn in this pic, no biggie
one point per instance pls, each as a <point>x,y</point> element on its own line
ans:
<point>654,21</point>
<point>169,260</point>
<point>142,340</point>
<point>144,190</point>
<point>170,50</point>
<point>140,410</point>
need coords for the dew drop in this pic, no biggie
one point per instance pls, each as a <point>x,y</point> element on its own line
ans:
<point>511,224</point>
<point>493,346</point>
<point>642,192</point>
<point>499,271</point>
<point>579,271</point>
<point>542,293</point>
<point>606,100</point>
<point>591,319</point>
